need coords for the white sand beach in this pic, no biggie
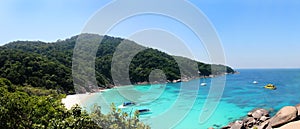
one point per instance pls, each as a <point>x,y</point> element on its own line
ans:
<point>72,100</point>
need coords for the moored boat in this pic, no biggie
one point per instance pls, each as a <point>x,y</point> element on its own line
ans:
<point>143,111</point>
<point>203,84</point>
<point>128,103</point>
<point>270,86</point>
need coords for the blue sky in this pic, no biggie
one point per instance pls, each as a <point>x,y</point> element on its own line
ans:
<point>254,34</point>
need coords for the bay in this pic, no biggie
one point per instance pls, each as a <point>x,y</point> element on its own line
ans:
<point>240,96</point>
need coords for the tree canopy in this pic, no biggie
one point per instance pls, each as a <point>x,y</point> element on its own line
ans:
<point>49,65</point>
<point>38,108</point>
<point>35,76</point>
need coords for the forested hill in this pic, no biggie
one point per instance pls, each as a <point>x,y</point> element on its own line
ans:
<point>48,65</point>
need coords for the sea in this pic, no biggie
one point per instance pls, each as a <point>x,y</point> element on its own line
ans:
<point>190,105</point>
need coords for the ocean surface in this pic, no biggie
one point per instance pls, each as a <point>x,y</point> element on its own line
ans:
<point>173,106</point>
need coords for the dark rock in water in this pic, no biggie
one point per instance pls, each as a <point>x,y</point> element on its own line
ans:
<point>215,125</point>
<point>284,115</point>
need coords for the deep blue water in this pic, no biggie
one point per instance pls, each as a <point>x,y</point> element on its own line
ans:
<point>239,97</point>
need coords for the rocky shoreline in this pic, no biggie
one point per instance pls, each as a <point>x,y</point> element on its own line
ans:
<point>184,79</point>
<point>287,117</point>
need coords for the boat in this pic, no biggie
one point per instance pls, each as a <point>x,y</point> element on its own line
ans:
<point>255,82</point>
<point>203,84</point>
<point>143,111</point>
<point>270,86</point>
<point>128,104</point>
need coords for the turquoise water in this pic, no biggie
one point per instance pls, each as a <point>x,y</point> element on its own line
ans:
<point>239,97</point>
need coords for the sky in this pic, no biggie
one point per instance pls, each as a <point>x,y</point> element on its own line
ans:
<point>253,33</point>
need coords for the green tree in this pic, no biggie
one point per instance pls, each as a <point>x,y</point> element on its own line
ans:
<point>26,108</point>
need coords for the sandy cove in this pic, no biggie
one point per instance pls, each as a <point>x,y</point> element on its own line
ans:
<point>72,100</point>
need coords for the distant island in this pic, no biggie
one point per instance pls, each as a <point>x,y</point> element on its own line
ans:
<point>49,65</point>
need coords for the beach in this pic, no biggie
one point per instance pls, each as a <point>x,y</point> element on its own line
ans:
<point>72,100</point>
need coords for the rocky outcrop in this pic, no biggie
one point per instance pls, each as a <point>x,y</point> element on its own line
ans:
<point>284,115</point>
<point>237,125</point>
<point>254,119</point>
<point>287,117</point>
<point>258,113</point>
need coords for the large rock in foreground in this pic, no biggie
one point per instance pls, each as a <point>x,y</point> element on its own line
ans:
<point>287,117</point>
<point>284,115</point>
<point>291,125</point>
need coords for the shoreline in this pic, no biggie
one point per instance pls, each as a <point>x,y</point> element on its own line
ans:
<point>72,100</point>
<point>178,80</point>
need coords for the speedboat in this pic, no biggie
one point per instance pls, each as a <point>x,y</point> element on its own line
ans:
<point>270,86</point>
<point>128,104</point>
<point>143,111</point>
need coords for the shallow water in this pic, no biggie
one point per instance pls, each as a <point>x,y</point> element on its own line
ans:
<point>239,97</point>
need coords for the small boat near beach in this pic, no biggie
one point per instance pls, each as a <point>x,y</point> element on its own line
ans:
<point>270,86</point>
<point>128,103</point>
<point>143,111</point>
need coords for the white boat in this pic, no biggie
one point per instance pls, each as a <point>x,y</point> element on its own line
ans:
<point>203,83</point>
<point>254,82</point>
<point>121,106</point>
